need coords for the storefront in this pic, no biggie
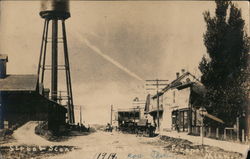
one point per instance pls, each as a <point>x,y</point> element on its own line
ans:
<point>180,120</point>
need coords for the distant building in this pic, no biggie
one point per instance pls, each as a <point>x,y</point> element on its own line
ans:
<point>129,115</point>
<point>20,100</point>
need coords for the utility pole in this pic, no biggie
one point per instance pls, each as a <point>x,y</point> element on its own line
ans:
<point>80,115</point>
<point>134,114</point>
<point>111,112</point>
<point>157,84</point>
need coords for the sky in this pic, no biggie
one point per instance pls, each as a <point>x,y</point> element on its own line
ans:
<point>113,46</point>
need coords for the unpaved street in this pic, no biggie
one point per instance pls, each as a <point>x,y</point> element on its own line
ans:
<point>115,145</point>
<point>102,144</point>
<point>123,145</point>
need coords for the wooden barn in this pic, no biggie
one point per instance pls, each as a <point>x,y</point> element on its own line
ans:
<point>20,100</point>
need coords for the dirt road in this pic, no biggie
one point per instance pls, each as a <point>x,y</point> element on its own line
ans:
<point>122,145</point>
<point>106,145</point>
<point>26,135</point>
<point>102,144</point>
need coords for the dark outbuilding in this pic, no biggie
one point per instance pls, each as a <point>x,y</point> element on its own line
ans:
<point>20,100</point>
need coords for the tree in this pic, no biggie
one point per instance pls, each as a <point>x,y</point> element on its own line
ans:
<point>224,70</point>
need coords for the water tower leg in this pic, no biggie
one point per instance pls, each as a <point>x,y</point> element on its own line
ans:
<point>54,60</point>
<point>68,76</point>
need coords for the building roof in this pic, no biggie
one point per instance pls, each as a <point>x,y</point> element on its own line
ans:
<point>18,83</point>
<point>4,57</point>
<point>174,83</point>
<point>177,84</point>
<point>128,110</point>
<point>180,78</point>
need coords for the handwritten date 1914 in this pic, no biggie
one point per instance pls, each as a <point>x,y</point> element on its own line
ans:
<point>104,155</point>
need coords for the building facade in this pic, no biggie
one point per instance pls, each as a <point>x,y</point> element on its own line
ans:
<point>177,105</point>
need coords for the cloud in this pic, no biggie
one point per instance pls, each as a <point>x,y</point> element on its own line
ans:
<point>108,58</point>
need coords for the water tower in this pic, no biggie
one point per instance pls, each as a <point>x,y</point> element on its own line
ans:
<point>56,12</point>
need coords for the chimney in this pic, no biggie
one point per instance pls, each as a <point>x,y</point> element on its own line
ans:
<point>183,71</point>
<point>3,61</point>
<point>177,74</point>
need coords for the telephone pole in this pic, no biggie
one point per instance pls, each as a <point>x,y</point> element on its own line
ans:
<point>80,115</point>
<point>157,83</point>
<point>111,112</point>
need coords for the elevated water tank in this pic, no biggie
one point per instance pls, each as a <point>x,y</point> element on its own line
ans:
<point>55,9</point>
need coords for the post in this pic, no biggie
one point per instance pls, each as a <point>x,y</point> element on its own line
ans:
<point>80,115</point>
<point>238,128</point>
<point>111,112</point>
<point>231,134</point>
<point>202,111</point>
<point>202,131</point>
<point>247,121</point>
<point>217,133</point>
<point>243,135</point>
<point>225,134</point>
<point>190,116</point>
<point>134,114</point>
<point>209,131</point>
<point>158,104</point>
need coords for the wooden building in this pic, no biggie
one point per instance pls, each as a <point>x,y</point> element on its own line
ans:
<point>177,110</point>
<point>129,115</point>
<point>20,100</point>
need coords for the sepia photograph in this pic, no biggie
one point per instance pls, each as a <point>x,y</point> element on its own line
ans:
<point>120,79</point>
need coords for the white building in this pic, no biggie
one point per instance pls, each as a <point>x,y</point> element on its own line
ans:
<point>177,107</point>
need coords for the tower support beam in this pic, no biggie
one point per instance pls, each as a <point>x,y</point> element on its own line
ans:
<point>54,60</point>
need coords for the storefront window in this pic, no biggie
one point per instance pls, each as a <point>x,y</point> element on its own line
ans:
<point>180,120</point>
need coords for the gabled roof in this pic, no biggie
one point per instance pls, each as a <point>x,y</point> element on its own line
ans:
<point>180,78</point>
<point>177,84</point>
<point>18,83</point>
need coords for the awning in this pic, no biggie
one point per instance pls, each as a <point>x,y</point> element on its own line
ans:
<point>214,118</point>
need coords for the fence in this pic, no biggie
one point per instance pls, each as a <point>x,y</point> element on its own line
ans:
<point>226,134</point>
